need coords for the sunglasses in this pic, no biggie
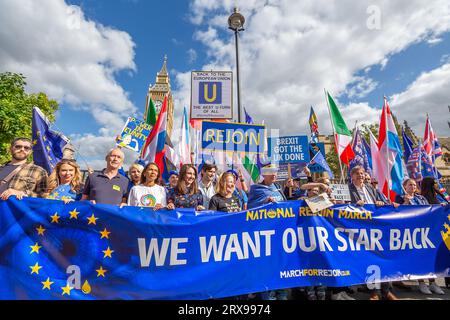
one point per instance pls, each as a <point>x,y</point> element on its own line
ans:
<point>19,146</point>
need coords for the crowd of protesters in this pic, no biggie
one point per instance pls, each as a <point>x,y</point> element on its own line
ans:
<point>226,192</point>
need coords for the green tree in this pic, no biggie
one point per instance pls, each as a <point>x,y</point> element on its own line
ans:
<point>333,163</point>
<point>16,108</point>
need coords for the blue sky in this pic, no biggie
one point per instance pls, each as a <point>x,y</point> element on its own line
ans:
<point>97,59</point>
<point>157,28</point>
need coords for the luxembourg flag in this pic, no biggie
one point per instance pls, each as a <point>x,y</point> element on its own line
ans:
<point>153,150</point>
<point>391,154</point>
<point>184,149</point>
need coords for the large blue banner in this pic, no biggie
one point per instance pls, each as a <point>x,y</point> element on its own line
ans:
<point>49,250</point>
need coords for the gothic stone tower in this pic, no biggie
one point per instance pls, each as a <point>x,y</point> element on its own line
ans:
<point>157,92</point>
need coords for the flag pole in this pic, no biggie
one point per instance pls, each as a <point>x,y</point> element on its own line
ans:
<point>334,135</point>
<point>387,151</point>
<point>289,177</point>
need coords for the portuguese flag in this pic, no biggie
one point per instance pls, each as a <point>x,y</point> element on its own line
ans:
<point>342,136</point>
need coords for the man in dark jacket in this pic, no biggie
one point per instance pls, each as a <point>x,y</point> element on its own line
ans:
<point>362,193</point>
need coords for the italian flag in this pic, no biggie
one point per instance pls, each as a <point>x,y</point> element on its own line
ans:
<point>151,113</point>
<point>342,136</point>
<point>252,170</point>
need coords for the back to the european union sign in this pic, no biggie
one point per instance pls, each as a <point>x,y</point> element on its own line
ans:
<point>238,137</point>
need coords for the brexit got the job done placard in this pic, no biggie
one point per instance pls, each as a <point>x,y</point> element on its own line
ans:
<point>211,95</point>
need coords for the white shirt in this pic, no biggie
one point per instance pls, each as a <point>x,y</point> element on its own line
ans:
<point>364,194</point>
<point>143,196</point>
<point>207,192</point>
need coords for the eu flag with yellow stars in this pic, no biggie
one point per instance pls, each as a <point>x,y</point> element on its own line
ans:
<point>48,145</point>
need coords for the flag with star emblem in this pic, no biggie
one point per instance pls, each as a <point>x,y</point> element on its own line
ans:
<point>80,251</point>
<point>48,145</point>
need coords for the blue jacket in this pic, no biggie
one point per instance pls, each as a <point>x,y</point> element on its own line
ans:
<point>259,193</point>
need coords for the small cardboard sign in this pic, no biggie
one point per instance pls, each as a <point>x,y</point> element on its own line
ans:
<point>318,203</point>
<point>340,192</point>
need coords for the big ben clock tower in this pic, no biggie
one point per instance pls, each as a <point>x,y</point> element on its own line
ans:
<point>157,93</point>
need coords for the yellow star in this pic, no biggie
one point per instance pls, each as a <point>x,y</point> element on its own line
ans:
<point>35,248</point>
<point>448,217</point>
<point>66,290</point>
<point>105,234</point>
<point>92,220</point>
<point>55,218</point>
<point>47,283</point>
<point>107,253</point>
<point>40,231</point>
<point>35,268</point>
<point>74,214</point>
<point>101,272</point>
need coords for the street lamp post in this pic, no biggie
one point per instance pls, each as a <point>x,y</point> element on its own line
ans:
<point>236,23</point>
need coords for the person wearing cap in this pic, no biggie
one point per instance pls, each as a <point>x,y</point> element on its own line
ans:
<point>260,194</point>
<point>173,180</point>
<point>266,191</point>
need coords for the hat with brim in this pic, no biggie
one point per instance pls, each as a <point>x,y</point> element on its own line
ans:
<point>269,170</point>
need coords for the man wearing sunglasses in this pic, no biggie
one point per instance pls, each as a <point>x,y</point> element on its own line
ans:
<point>20,178</point>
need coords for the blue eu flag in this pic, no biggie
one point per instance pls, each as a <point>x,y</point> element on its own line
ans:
<point>48,145</point>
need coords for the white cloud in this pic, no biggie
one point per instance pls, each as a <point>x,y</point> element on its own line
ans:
<point>72,59</point>
<point>291,50</point>
<point>427,94</point>
<point>192,55</point>
<point>91,150</point>
<point>360,87</point>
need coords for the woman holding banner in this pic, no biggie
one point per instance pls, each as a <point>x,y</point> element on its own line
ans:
<point>412,198</point>
<point>430,190</point>
<point>225,199</point>
<point>261,194</point>
<point>149,193</point>
<point>64,183</point>
<point>186,194</point>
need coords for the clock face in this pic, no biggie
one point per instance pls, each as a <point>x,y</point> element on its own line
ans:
<point>158,104</point>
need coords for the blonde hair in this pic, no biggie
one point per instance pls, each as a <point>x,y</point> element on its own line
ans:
<point>222,185</point>
<point>53,179</point>
<point>136,166</point>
